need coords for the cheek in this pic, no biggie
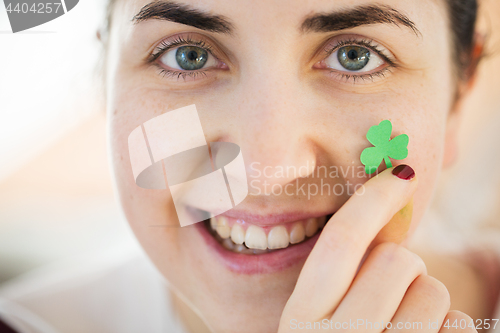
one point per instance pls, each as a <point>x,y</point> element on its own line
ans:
<point>146,210</point>
<point>130,105</point>
<point>423,116</point>
<point>425,157</point>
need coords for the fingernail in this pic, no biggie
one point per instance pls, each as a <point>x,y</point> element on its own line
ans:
<point>404,172</point>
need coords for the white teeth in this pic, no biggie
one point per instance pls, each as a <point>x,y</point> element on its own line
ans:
<point>222,226</point>
<point>311,227</point>
<point>240,248</point>
<point>255,238</point>
<point>278,238</point>
<point>213,223</point>
<point>237,234</point>
<point>298,233</point>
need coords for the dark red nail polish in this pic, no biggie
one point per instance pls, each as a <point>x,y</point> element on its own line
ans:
<point>403,171</point>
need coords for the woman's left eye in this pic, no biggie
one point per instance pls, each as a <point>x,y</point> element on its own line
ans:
<point>353,58</point>
<point>189,58</point>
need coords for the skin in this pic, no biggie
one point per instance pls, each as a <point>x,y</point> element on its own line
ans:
<point>283,111</point>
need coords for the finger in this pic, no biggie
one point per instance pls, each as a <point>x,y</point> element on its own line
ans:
<point>332,264</point>
<point>395,231</point>
<point>380,285</point>
<point>423,308</point>
<point>457,321</point>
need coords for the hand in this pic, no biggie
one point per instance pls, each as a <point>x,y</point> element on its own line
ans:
<point>390,287</point>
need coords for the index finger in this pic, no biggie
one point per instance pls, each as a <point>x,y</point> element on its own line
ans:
<point>333,262</point>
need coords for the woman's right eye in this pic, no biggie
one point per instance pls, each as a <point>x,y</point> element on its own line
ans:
<point>188,58</point>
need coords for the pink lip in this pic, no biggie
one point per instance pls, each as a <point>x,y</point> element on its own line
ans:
<point>258,264</point>
<point>271,219</point>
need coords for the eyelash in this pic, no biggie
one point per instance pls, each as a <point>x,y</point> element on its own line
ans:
<point>165,46</point>
<point>364,77</point>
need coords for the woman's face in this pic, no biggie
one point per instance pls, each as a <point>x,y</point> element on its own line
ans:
<point>296,84</point>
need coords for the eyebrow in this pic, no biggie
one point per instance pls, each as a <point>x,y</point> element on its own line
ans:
<point>183,14</point>
<point>334,21</point>
<point>360,15</point>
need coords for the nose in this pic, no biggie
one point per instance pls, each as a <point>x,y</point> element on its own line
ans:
<point>274,134</point>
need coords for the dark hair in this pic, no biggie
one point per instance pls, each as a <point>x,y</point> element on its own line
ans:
<point>462,21</point>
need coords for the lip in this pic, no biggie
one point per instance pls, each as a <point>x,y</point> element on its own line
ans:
<point>271,219</point>
<point>271,262</point>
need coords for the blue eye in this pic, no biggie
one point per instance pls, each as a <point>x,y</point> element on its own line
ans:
<point>354,58</point>
<point>190,58</point>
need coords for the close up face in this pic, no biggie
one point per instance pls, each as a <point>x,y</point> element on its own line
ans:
<point>296,84</point>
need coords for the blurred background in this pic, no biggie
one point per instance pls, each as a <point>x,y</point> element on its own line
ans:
<point>56,196</point>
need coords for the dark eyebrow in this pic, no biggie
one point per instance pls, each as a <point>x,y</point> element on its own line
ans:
<point>183,14</point>
<point>361,15</point>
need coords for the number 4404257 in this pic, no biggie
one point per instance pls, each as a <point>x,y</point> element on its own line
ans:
<point>37,8</point>
<point>478,324</point>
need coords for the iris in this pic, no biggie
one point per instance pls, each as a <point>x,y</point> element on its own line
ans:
<point>191,57</point>
<point>353,58</point>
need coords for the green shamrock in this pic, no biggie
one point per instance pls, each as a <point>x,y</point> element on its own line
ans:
<point>380,136</point>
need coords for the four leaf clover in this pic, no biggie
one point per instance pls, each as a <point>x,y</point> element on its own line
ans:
<point>380,136</point>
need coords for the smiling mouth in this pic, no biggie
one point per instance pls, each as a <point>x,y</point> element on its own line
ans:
<point>240,236</point>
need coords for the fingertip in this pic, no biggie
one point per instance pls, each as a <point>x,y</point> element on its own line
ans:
<point>404,172</point>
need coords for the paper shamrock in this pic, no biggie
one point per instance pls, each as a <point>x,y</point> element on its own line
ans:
<point>380,136</point>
